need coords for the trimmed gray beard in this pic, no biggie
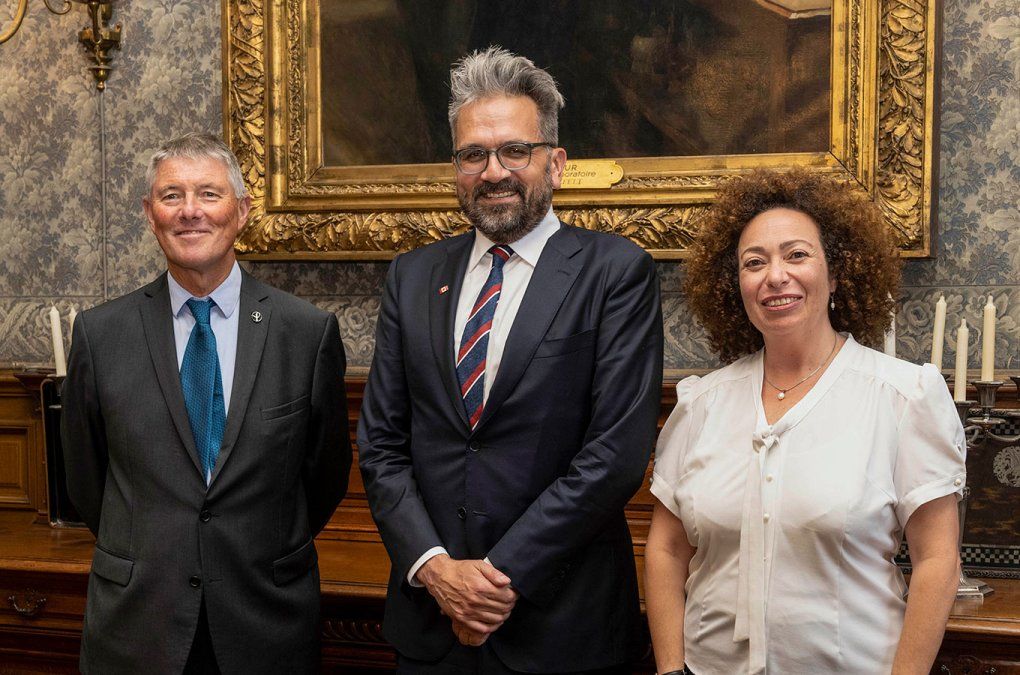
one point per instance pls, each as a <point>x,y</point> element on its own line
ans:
<point>505,224</point>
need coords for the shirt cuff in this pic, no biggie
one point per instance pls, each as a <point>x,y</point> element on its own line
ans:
<point>663,491</point>
<point>930,492</point>
<point>425,557</point>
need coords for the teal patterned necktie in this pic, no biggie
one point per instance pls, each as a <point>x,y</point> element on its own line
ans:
<point>203,387</point>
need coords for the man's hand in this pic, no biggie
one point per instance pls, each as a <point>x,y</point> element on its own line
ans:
<point>475,595</point>
<point>468,637</point>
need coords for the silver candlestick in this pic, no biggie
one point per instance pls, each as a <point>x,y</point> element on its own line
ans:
<point>981,439</point>
<point>986,399</point>
<point>967,587</point>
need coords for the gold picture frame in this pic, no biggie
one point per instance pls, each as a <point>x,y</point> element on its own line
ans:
<point>883,127</point>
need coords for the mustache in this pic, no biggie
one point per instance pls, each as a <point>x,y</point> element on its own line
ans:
<point>505,185</point>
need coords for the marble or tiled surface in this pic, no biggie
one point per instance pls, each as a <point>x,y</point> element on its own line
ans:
<point>168,81</point>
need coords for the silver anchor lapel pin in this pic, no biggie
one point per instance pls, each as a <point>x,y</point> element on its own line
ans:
<point>256,317</point>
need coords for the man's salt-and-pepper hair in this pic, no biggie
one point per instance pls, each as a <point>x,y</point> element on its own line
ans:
<point>498,72</point>
<point>196,145</point>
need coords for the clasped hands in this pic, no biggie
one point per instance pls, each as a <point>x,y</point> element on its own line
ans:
<point>475,595</point>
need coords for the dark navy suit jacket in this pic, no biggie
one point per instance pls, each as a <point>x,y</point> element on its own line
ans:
<point>540,485</point>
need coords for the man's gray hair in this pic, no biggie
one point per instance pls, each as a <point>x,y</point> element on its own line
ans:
<point>196,145</point>
<point>498,72</point>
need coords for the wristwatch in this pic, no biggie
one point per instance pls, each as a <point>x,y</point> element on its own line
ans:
<point>682,671</point>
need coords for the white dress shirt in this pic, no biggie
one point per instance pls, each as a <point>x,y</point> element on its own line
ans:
<point>796,523</point>
<point>222,319</point>
<point>517,272</point>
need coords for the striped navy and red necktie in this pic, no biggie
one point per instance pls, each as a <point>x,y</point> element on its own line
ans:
<point>475,343</point>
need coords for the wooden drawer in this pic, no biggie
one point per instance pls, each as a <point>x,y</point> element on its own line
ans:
<point>53,601</point>
<point>977,656</point>
<point>40,621</point>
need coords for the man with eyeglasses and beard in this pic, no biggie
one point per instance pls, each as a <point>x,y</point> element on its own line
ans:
<point>511,408</point>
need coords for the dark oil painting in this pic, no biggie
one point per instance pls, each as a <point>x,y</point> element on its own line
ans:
<point>642,78</point>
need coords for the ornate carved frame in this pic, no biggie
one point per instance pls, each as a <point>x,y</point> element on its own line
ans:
<point>883,136</point>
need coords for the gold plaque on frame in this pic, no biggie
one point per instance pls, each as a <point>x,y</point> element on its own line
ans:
<point>591,174</point>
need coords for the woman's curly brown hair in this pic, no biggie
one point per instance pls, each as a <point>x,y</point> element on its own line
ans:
<point>858,250</point>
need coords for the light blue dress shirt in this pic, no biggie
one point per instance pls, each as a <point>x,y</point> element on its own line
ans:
<point>222,318</point>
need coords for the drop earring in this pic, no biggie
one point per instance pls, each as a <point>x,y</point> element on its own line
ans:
<point>832,303</point>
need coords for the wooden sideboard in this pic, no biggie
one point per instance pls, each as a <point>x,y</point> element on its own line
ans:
<point>44,569</point>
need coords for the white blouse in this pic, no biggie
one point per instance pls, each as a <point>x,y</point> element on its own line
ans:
<point>796,523</point>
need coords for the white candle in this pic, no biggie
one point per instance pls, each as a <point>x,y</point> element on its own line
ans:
<point>71,316</point>
<point>58,342</point>
<point>938,333</point>
<point>988,343</point>
<point>960,382</point>
<point>890,335</point>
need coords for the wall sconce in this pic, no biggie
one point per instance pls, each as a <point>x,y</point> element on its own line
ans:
<point>98,39</point>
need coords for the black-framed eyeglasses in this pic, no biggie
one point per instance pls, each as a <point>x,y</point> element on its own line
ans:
<point>511,156</point>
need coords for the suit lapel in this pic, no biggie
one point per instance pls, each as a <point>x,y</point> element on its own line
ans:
<point>251,341</point>
<point>553,277</point>
<point>448,272</point>
<point>157,321</point>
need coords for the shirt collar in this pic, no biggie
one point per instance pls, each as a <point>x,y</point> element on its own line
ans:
<point>528,248</point>
<point>226,296</point>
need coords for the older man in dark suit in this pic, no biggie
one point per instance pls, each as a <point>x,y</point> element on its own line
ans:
<point>511,407</point>
<point>205,445</point>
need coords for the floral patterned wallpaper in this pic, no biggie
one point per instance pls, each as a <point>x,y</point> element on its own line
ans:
<point>56,247</point>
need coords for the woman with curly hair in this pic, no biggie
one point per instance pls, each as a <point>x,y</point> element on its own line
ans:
<point>787,479</point>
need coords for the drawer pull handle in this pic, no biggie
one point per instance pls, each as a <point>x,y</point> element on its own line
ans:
<point>26,604</point>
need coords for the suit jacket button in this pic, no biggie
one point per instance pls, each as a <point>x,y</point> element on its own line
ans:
<point>475,446</point>
<point>462,513</point>
<point>194,582</point>
<point>205,516</point>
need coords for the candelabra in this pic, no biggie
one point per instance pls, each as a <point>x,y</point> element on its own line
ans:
<point>98,38</point>
<point>980,440</point>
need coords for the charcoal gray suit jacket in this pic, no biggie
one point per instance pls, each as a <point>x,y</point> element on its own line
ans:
<point>165,540</point>
<point>540,485</point>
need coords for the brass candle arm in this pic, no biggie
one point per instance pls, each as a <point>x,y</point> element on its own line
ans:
<point>98,38</point>
<point>19,17</point>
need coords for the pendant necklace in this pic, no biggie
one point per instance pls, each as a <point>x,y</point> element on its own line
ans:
<point>782,392</point>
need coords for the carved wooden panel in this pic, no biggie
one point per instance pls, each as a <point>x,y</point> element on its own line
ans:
<point>15,442</point>
<point>22,450</point>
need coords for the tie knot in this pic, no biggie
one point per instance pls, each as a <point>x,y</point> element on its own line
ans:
<point>500,254</point>
<point>200,310</point>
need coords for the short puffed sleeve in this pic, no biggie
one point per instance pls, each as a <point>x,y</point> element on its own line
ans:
<point>674,441</point>
<point>930,461</point>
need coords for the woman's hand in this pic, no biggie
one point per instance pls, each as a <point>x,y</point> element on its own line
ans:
<point>932,536</point>
<point>668,555</point>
